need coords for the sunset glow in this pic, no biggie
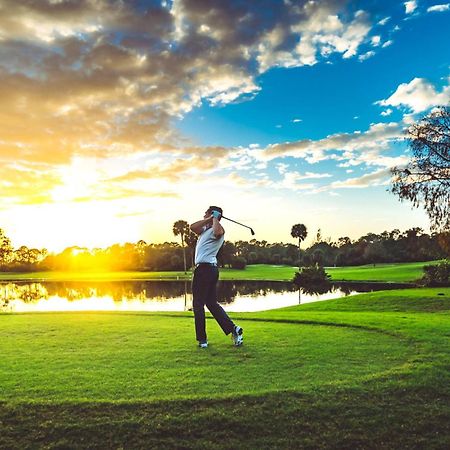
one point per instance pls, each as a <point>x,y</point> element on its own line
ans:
<point>119,118</point>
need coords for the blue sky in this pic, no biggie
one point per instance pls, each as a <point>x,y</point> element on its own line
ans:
<point>119,118</point>
<point>328,97</point>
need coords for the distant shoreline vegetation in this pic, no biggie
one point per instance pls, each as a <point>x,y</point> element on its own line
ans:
<point>412,245</point>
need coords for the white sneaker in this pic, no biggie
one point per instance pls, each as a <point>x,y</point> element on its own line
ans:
<point>203,344</point>
<point>237,336</point>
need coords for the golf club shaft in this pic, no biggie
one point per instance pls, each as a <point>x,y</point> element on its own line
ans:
<point>241,224</point>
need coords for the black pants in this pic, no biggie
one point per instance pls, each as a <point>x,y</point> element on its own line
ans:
<point>204,293</point>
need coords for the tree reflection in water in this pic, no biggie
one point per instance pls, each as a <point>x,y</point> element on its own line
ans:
<point>317,289</point>
<point>162,291</point>
<point>27,293</point>
<point>132,290</point>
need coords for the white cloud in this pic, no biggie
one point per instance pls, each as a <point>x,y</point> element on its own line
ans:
<point>375,41</point>
<point>377,137</point>
<point>418,95</point>
<point>297,120</point>
<point>439,8</point>
<point>387,43</point>
<point>283,169</point>
<point>377,178</point>
<point>345,40</point>
<point>384,21</point>
<point>366,55</point>
<point>410,6</point>
<point>292,181</point>
<point>387,112</point>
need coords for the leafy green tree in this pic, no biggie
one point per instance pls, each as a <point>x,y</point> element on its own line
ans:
<point>181,228</point>
<point>311,276</point>
<point>6,249</point>
<point>339,259</point>
<point>238,263</point>
<point>140,250</point>
<point>437,275</point>
<point>299,232</point>
<point>375,253</point>
<point>191,241</point>
<point>226,254</point>
<point>443,240</point>
<point>425,181</point>
<point>318,257</point>
<point>344,241</point>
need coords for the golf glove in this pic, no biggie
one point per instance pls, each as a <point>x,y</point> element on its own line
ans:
<point>216,214</point>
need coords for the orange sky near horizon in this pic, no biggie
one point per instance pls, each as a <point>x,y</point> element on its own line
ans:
<point>106,111</point>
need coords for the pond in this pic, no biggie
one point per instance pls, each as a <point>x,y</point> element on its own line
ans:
<point>237,296</point>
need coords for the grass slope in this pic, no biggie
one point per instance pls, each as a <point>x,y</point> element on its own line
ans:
<point>369,371</point>
<point>401,272</point>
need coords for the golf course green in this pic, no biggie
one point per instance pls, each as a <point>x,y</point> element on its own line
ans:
<point>369,371</point>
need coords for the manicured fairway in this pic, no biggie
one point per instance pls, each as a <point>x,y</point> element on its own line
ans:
<point>402,272</point>
<point>369,371</point>
<point>104,357</point>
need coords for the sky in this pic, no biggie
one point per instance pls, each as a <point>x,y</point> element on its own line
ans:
<point>118,118</point>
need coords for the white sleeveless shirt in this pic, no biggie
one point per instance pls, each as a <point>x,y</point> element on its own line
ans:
<point>208,246</point>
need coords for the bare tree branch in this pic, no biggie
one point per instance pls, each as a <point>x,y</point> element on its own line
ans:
<point>425,181</point>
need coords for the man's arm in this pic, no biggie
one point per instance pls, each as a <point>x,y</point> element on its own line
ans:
<point>217,228</point>
<point>197,227</point>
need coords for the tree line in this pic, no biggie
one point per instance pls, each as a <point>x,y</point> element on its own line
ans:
<point>425,182</point>
<point>387,247</point>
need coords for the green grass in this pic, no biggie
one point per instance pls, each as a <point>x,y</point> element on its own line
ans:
<point>369,371</point>
<point>402,272</point>
<point>140,364</point>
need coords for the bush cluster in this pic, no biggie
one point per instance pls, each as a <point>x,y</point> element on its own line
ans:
<point>438,275</point>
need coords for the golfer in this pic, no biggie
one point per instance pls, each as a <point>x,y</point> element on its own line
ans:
<point>206,274</point>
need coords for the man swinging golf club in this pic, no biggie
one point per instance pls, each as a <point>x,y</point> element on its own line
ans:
<point>206,274</point>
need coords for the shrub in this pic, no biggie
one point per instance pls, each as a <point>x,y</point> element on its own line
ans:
<point>437,275</point>
<point>311,276</point>
<point>286,261</point>
<point>238,263</point>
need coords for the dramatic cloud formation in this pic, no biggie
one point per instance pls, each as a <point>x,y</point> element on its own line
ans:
<point>103,80</point>
<point>96,98</point>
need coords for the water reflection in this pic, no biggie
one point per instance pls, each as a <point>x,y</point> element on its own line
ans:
<point>156,295</point>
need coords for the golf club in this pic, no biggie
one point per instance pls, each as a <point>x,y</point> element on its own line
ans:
<point>231,220</point>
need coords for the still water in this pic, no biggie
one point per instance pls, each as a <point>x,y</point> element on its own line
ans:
<point>153,295</point>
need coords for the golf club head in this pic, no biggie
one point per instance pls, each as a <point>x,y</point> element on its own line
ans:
<point>251,231</point>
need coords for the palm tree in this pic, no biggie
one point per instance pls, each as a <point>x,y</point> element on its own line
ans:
<point>191,241</point>
<point>181,228</point>
<point>299,231</point>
